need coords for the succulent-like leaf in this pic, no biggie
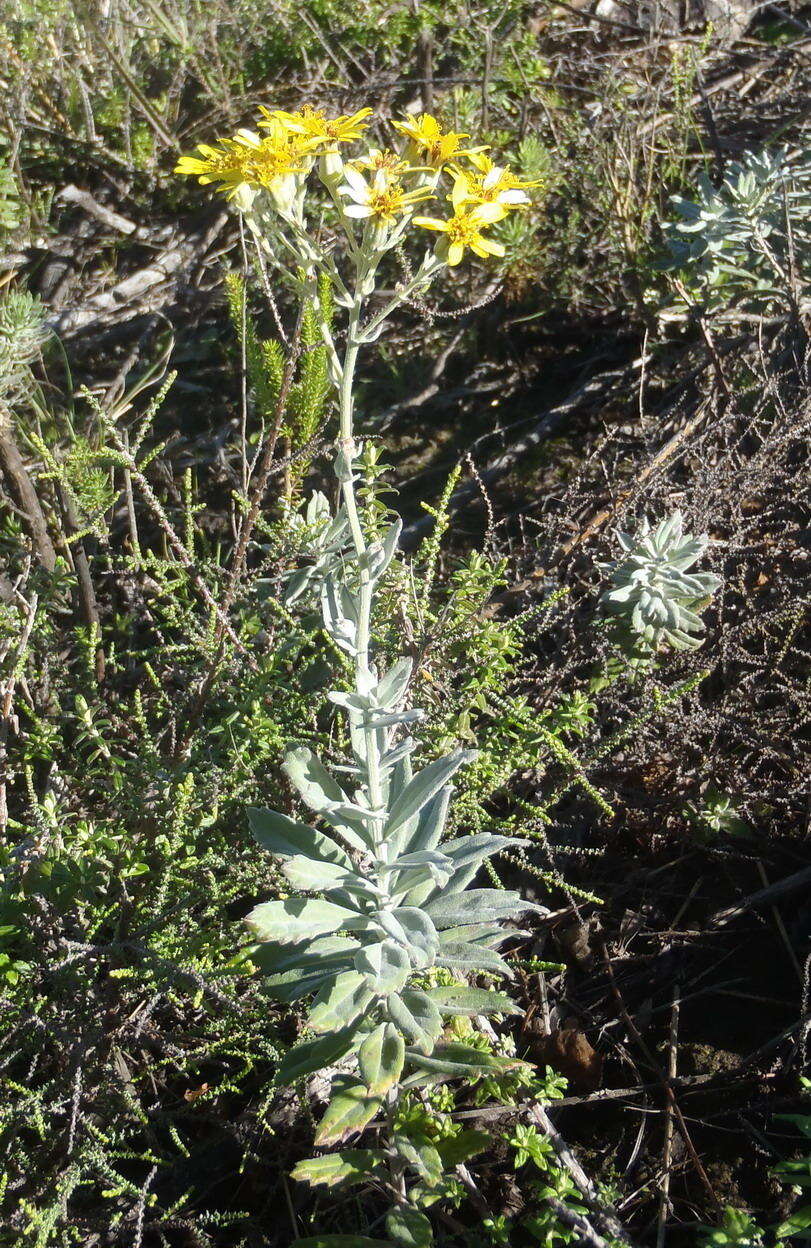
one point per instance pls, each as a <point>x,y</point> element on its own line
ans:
<point>324,795</point>
<point>460,956</point>
<point>296,919</point>
<point>461,1059</point>
<point>478,904</point>
<point>413,929</point>
<point>425,785</point>
<point>386,966</point>
<point>318,877</point>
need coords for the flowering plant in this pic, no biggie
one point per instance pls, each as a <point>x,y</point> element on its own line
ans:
<point>393,902</point>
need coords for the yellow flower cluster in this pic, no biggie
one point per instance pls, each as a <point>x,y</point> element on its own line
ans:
<point>372,186</point>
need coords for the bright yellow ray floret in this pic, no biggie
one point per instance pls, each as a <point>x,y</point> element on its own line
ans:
<point>464,229</point>
<point>259,161</point>
<point>383,198</point>
<point>428,140</point>
<point>311,123</point>
<point>490,184</point>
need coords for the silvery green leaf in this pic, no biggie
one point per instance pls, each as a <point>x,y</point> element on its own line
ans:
<point>347,1167</point>
<point>307,875</point>
<point>412,929</point>
<point>425,785</point>
<point>408,1227</point>
<point>314,1055</point>
<point>479,905</point>
<point>351,701</point>
<point>381,1057</point>
<point>459,956</point>
<point>386,966</point>
<point>286,837</point>
<point>293,985</point>
<point>340,1003</point>
<point>415,1015</point>
<point>391,688</point>
<point>350,1109</point>
<point>431,822</point>
<point>486,933</point>
<point>467,853</point>
<point>296,919</point>
<point>438,865</point>
<point>460,1059</point>
<point>275,958</point>
<point>323,794</point>
<point>382,553</point>
<point>339,610</point>
<point>399,752</point>
<point>397,717</point>
<point>297,583</point>
<point>343,464</point>
<point>459,999</point>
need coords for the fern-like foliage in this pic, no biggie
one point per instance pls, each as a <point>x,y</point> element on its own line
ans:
<point>653,598</point>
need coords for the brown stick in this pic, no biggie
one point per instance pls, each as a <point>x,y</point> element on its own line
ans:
<point>21,489</point>
<point>664,1082</point>
<point>667,1151</point>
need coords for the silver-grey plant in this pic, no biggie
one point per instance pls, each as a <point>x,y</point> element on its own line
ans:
<point>751,235</point>
<point>652,598</point>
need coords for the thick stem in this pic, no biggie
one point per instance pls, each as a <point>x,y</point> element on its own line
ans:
<point>362,659</point>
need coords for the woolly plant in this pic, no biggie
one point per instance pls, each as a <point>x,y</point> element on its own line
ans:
<point>378,898</point>
<point>653,599</point>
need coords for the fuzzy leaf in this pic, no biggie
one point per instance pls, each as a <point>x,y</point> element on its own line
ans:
<point>381,1058</point>
<point>286,837</point>
<point>421,1155</point>
<point>460,1059</point>
<point>340,1003</point>
<point>391,687</point>
<point>413,929</point>
<point>296,919</point>
<point>349,1166</point>
<point>350,1109</point>
<point>478,905</point>
<point>386,966</point>
<point>459,999</point>
<point>323,794</point>
<point>408,1228</point>
<point>312,1055</point>
<point>416,1016</point>
<point>424,786</point>
<point>460,956</point>
<point>319,877</point>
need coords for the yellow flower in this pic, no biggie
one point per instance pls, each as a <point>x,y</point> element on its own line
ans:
<point>249,158</point>
<point>427,140</point>
<point>386,160</point>
<point>464,229</point>
<point>313,124</point>
<point>492,184</point>
<point>215,164</point>
<point>384,198</point>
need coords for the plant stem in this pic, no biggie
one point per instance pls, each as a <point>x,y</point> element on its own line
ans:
<point>347,444</point>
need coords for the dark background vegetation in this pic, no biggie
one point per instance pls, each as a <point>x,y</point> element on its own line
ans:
<point>136,1051</point>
